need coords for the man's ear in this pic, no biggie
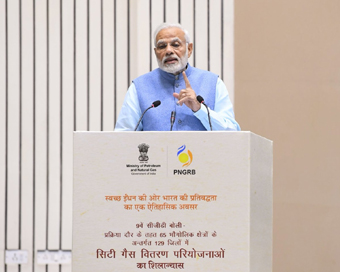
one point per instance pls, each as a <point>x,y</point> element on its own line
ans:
<point>190,48</point>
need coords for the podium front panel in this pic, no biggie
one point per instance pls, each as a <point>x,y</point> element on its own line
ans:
<point>192,201</point>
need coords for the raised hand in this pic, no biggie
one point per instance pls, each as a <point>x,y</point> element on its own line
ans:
<point>187,96</point>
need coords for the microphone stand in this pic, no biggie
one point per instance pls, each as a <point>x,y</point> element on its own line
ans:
<point>201,100</point>
<point>153,105</point>
<point>172,119</point>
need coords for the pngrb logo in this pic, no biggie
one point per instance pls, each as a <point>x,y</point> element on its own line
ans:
<point>185,157</point>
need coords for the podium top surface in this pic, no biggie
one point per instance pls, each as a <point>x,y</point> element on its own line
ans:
<point>225,133</point>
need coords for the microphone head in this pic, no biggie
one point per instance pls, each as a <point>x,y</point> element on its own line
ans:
<point>200,99</point>
<point>156,103</point>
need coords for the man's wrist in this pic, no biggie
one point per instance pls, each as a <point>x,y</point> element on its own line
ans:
<point>197,109</point>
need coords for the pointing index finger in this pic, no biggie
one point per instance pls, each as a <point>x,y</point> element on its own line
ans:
<point>187,83</point>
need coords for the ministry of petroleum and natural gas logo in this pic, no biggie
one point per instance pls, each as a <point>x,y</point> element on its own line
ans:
<point>143,152</point>
<point>143,167</point>
<point>185,157</point>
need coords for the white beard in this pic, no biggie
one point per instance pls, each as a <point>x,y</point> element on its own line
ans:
<point>174,68</point>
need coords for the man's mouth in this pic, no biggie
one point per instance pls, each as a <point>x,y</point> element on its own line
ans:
<point>170,60</point>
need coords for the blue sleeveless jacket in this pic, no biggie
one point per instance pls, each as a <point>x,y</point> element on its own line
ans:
<point>160,85</point>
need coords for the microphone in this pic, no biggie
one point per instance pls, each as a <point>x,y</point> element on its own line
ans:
<point>172,119</point>
<point>201,100</point>
<point>155,104</point>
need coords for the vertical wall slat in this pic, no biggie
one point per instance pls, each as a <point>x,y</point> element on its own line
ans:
<point>81,65</point>
<point>142,34</point>
<point>27,132</point>
<point>41,128</point>
<point>133,38</point>
<point>228,47</point>
<point>128,42</point>
<point>122,52</point>
<point>179,11</point>
<point>214,39</point>
<point>115,60</point>
<point>201,35</point>
<point>139,47</point>
<point>157,19</point>
<point>13,128</point>
<point>54,139</point>
<point>171,10</point>
<point>95,66</point>
<point>2,130</point>
<point>150,36</point>
<point>108,67</point>
<point>67,124</point>
<point>187,20</point>
<point>194,19</point>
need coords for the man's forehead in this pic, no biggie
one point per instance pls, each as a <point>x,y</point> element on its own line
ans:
<point>170,33</point>
<point>171,40</point>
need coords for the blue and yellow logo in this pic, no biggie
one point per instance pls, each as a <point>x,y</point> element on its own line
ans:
<point>185,158</point>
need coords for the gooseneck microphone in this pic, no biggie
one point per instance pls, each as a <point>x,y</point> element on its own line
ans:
<point>153,105</point>
<point>172,119</point>
<point>201,100</point>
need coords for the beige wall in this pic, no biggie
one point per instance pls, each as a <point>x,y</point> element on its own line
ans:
<point>287,88</point>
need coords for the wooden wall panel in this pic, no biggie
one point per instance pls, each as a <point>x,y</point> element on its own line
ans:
<point>201,35</point>
<point>14,110</point>
<point>139,41</point>
<point>53,111</point>
<point>171,11</point>
<point>81,65</point>
<point>40,129</point>
<point>214,51</point>
<point>108,65</point>
<point>157,17</point>
<point>3,131</point>
<point>95,65</point>
<point>187,21</point>
<point>122,49</point>
<point>133,39</point>
<point>227,68</point>
<point>67,122</point>
<point>53,127</point>
<point>13,132</point>
<point>27,126</point>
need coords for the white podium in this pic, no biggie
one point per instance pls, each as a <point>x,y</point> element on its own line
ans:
<point>172,201</point>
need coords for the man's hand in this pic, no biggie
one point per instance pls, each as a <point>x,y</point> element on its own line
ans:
<point>187,96</point>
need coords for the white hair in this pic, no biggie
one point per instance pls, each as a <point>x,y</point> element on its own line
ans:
<point>169,25</point>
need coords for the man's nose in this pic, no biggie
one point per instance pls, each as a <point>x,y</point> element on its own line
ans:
<point>169,49</point>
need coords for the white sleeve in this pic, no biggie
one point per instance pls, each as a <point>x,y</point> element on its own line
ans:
<point>130,112</point>
<point>222,117</point>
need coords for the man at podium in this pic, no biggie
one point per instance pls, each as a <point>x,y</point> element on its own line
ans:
<point>176,96</point>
